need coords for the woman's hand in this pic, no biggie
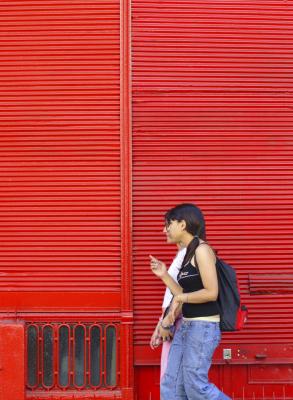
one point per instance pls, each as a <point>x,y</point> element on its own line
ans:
<point>158,267</point>
<point>165,334</point>
<point>176,304</point>
<point>156,339</point>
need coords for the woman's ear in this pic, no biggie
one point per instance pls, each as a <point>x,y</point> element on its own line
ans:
<point>183,225</point>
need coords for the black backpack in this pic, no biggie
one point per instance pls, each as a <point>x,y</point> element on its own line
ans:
<point>233,314</point>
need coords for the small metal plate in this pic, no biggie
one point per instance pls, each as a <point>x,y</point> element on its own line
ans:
<point>227,354</point>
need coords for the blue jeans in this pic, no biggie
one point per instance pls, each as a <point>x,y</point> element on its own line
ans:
<point>190,358</point>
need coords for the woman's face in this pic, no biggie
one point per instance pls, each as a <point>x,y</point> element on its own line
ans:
<point>174,231</point>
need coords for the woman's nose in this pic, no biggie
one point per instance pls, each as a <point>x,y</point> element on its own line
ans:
<point>165,230</point>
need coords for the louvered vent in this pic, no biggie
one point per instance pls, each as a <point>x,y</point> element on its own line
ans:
<point>64,356</point>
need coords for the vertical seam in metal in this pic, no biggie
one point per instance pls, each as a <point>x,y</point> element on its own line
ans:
<point>126,343</point>
<point>126,155</point>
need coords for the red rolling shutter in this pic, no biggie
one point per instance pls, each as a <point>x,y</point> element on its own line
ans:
<point>213,125</point>
<point>60,154</point>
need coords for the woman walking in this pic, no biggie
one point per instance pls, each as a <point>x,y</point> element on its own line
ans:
<point>156,339</point>
<point>196,292</point>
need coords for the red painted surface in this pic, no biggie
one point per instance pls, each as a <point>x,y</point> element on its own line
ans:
<point>147,381</point>
<point>148,386</point>
<point>28,301</point>
<point>126,339</point>
<point>102,395</point>
<point>60,153</point>
<point>212,124</point>
<point>12,369</point>
<point>65,160</point>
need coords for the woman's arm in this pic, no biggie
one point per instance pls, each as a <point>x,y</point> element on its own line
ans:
<point>160,270</point>
<point>206,262</point>
<point>171,284</point>
<point>156,339</point>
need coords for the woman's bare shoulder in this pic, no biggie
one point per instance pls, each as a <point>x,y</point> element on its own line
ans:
<point>203,251</point>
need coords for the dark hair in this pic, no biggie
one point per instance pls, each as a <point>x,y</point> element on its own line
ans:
<point>195,225</point>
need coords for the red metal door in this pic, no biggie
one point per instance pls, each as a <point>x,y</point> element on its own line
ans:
<point>64,266</point>
<point>212,124</point>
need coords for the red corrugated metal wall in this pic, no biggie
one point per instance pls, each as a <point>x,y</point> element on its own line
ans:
<point>212,100</point>
<point>64,161</point>
<point>60,152</point>
<point>212,124</point>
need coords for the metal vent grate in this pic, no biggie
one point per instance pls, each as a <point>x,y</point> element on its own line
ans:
<point>72,356</point>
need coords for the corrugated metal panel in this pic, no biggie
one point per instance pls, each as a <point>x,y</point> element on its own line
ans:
<point>212,89</point>
<point>60,145</point>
